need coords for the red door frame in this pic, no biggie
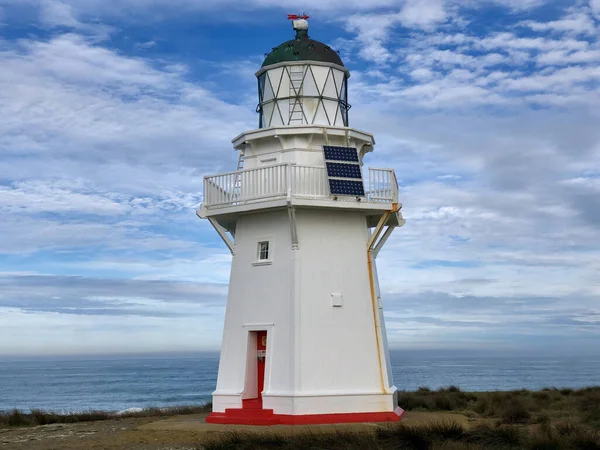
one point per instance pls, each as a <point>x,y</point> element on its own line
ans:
<point>261,354</point>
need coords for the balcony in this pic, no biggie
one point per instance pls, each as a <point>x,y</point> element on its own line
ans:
<point>285,184</point>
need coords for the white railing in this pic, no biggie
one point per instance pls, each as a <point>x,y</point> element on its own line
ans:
<point>383,186</point>
<point>254,185</point>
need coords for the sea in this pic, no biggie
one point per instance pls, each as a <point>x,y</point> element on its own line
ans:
<point>121,383</point>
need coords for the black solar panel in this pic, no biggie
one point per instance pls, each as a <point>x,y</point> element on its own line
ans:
<point>342,170</point>
<point>346,187</point>
<point>333,153</point>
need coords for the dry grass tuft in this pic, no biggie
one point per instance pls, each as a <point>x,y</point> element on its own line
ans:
<point>16,418</point>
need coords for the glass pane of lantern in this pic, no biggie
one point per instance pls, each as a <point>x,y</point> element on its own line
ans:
<point>285,108</point>
<point>261,87</point>
<point>330,90</point>
<point>279,82</point>
<point>321,117</point>
<point>309,105</point>
<point>268,91</point>
<point>294,75</point>
<point>267,112</point>
<point>339,118</point>
<point>331,107</point>
<point>309,86</point>
<point>320,74</point>
<point>277,118</point>
<point>338,75</point>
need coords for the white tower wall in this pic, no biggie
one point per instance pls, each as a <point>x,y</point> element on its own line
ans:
<point>259,297</point>
<point>321,358</point>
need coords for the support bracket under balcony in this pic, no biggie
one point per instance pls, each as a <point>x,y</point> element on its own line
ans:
<point>378,240</point>
<point>223,233</point>
<point>384,238</point>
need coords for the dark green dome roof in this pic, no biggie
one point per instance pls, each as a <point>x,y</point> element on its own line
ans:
<point>302,48</point>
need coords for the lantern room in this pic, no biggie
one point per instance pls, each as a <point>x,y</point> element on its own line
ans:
<point>303,82</point>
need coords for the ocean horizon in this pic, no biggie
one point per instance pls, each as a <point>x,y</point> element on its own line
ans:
<point>124,382</point>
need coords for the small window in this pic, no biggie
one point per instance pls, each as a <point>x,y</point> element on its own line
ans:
<point>263,251</point>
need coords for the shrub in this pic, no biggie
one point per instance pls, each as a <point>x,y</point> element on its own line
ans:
<point>447,399</point>
<point>443,403</point>
<point>515,412</point>
<point>496,437</point>
<point>544,442</point>
<point>304,441</point>
<point>444,430</point>
<point>16,419</point>
<point>404,437</point>
<point>40,417</point>
<point>457,446</point>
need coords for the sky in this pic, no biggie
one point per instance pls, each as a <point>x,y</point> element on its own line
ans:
<point>111,113</point>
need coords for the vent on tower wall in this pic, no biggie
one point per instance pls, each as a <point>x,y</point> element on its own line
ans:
<point>344,173</point>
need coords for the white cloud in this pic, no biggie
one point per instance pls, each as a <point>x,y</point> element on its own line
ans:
<point>423,13</point>
<point>57,13</point>
<point>564,58</point>
<point>520,5</point>
<point>372,32</point>
<point>577,22</point>
<point>70,98</point>
<point>103,157</point>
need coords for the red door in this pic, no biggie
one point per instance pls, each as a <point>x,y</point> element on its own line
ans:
<point>261,352</point>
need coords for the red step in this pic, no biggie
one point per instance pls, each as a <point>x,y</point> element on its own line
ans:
<point>235,412</point>
<point>252,403</point>
<point>234,416</point>
<point>252,416</point>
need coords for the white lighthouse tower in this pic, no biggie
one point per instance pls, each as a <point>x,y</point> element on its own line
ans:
<point>304,338</point>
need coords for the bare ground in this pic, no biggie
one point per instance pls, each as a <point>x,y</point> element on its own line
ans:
<point>173,433</point>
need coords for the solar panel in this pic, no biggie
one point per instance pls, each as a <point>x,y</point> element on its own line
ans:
<point>333,153</point>
<point>342,170</point>
<point>346,187</point>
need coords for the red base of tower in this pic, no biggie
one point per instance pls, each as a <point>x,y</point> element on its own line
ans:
<point>253,414</point>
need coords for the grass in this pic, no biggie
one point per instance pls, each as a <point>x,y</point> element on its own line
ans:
<point>16,418</point>
<point>512,407</point>
<point>550,419</point>
<point>431,436</point>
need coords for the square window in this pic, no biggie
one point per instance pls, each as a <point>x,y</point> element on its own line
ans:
<point>263,251</point>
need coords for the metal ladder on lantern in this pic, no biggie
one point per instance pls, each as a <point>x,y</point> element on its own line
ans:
<point>296,78</point>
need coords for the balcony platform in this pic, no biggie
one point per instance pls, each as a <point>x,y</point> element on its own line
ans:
<point>228,195</point>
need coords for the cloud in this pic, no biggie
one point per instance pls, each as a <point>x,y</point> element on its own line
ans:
<point>576,22</point>
<point>78,314</point>
<point>491,128</point>
<point>372,33</point>
<point>57,13</point>
<point>68,94</point>
<point>423,14</point>
<point>520,5</point>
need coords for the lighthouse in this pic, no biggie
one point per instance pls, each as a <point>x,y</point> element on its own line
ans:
<point>304,338</point>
